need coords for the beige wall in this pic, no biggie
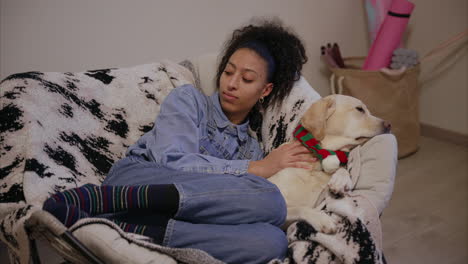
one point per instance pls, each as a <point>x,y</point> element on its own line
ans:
<point>57,35</point>
<point>444,99</point>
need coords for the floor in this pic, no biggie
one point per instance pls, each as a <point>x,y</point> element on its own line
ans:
<point>427,219</point>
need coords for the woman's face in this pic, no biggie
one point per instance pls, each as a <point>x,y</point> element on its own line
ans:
<point>243,82</point>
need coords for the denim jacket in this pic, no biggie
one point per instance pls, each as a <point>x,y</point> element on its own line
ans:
<point>192,133</point>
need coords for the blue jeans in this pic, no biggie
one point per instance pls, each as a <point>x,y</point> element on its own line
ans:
<point>236,219</point>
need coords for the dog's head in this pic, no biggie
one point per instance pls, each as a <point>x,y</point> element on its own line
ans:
<point>342,122</point>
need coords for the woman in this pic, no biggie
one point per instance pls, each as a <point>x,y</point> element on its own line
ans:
<point>198,178</point>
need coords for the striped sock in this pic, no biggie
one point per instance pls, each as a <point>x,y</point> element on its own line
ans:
<point>155,232</point>
<point>95,200</point>
<point>70,214</point>
<point>67,214</point>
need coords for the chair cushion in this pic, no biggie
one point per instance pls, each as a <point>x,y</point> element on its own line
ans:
<point>111,244</point>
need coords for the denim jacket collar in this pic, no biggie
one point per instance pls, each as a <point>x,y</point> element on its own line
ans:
<point>222,121</point>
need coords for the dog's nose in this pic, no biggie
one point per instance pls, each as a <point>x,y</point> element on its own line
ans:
<point>387,126</point>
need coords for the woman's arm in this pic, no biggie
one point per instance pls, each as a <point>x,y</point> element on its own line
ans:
<point>174,139</point>
<point>285,156</point>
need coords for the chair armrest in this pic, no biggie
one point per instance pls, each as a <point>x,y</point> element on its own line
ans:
<point>378,170</point>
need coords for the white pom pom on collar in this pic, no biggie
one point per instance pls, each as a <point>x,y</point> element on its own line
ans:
<point>330,164</point>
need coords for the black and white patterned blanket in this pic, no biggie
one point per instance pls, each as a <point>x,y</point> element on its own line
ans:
<point>63,130</point>
<point>357,240</point>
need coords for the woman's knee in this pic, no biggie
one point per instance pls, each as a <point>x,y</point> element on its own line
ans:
<point>273,208</point>
<point>116,172</point>
<point>268,243</point>
<point>269,205</point>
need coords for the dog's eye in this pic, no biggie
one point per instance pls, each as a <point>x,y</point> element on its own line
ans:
<point>360,109</point>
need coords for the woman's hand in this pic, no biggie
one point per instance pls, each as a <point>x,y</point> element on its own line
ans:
<point>289,155</point>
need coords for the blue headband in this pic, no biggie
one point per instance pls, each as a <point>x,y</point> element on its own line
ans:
<point>262,50</point>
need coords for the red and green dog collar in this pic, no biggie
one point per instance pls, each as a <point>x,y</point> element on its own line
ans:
<point>311,143</point>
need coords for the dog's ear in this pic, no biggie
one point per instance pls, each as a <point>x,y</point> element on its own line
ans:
<point>315,118</point>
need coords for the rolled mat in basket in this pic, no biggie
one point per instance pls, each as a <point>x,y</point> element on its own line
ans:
<point>394,98</point>
<point>389,36</point>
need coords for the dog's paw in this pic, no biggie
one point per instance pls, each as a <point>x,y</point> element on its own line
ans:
<point>308,229</point>
<point>340,183</point>
<point>346,207</point>
<point>321,223</point>
<point>324,223</point>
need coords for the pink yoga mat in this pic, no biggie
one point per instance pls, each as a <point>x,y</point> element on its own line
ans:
<point>376,11</point>
<point>389,37</point>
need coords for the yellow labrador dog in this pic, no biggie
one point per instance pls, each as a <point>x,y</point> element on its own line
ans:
<point>337,122</point>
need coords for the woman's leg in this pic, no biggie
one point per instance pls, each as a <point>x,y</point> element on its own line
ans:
<point>245,243</point>
<point>130,207</point>
<point>208,198</point>
<point>227,199</point>
<point>94,200</point>
<point>234,218</point>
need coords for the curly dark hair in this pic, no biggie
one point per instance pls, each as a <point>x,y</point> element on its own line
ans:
<point>284,46</point>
